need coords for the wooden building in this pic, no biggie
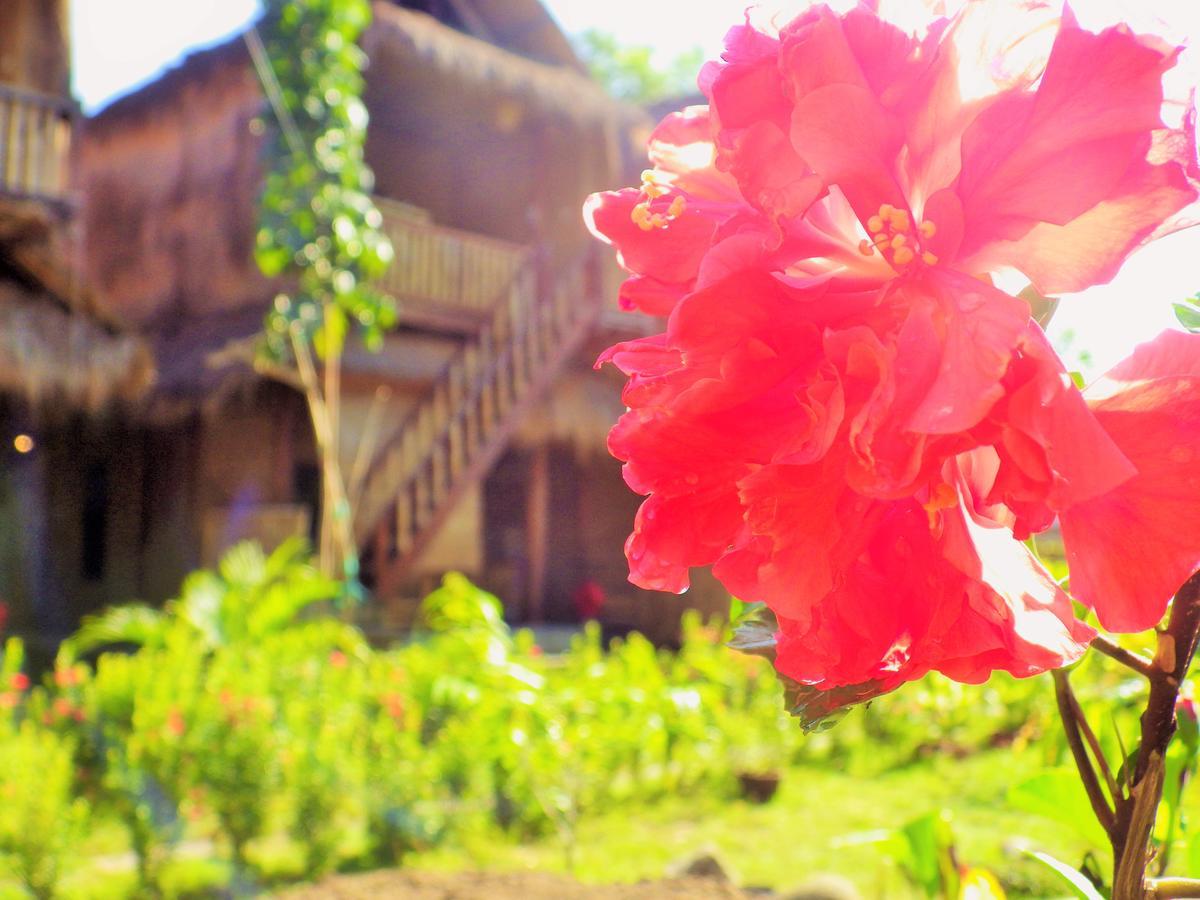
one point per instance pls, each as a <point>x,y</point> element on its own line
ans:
<point>479,427</point>
<point>65,367</point>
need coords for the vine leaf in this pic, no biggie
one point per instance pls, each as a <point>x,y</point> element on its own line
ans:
<point>818,710</point>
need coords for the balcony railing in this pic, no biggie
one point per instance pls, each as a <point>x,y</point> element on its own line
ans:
<point>35,143</point>
<point>456,271</point>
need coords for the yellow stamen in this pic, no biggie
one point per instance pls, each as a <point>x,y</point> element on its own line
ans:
<point>641,216</point>
<point>678,205</point>
<point>942,497</point>
<point>901,221</point>
<point>904,256</point>
<point>881,240</point>
<point>927,229</point>
<point>899,241</point>
<point>929,259</point>
<point>886,210</point>
<point>875,224</point>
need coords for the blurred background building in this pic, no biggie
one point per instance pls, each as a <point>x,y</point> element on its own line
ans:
<point>141,440</point>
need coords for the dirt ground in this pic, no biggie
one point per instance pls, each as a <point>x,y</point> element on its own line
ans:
<point>503,886</point>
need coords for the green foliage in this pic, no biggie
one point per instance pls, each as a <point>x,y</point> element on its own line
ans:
<point>242,714</point>
<point>1188,313</point>
<point>40,818</point>
<point>1058,794</point>
<point>632,73</point>
<point>248,598</point>
<point>319,228</point>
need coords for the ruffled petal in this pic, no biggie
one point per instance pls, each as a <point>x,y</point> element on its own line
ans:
<point>670,254</point>
<point>1052,451</point>
<point>1080,143</point>
<point>982,328</point>
<point>955,598</point>
<point>1130,549</point>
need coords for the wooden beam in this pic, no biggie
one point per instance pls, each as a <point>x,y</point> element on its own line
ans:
<point>537,531</point>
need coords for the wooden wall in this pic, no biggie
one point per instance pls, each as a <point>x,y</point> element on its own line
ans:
<point>35,45</point>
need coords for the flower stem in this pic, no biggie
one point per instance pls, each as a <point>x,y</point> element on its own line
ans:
<point>1127,658</point>
<point>1068,711</point>
<point>1169,888</point>
<point>1135,817</point>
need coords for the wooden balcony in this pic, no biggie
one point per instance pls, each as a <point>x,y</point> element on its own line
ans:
<point>442,274</point>
<point>35,144</point>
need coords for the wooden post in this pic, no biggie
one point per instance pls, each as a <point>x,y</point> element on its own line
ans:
<point>537,531</point>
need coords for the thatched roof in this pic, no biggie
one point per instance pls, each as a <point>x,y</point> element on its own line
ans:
<point>540,67</point>
<point>485,67</point>
<point>525,27</point>
<point>51,355</point>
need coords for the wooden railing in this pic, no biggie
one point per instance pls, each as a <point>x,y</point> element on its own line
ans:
<point>35,142</point>
<point>454,435</point>
<point>443,266</point>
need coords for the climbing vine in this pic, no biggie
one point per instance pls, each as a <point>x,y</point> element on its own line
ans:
<point>319,231</point>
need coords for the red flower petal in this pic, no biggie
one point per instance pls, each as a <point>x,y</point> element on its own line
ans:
<point>1081,140</point>
<point>1130,549</point>
<point>982,328</point>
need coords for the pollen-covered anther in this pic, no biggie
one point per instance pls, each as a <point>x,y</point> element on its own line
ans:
<point>941,496</point>
<point>892,233</point>
<point>652,189</point>
<point>865,247</point>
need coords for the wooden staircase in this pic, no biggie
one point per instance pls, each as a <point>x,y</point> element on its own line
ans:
<point>454,435</point>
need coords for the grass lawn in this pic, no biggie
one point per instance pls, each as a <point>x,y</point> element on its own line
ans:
<point>818,823</point>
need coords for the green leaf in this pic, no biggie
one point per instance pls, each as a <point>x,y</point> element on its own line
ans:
<point>1193,855</point>
<point>1079,882</point>
<point>1188,315</point>
<point>1041,308</point>
<point>331,336</point>
<point>817,710</point>
<point>930,854</point>
<point>1058,794</point>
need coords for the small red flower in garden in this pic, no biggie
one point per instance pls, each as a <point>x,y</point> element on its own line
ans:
<point>63,708</point>
<point>337,659</point>
<point>588,600</point>
<point>19,681</point>
<point>9,699</point>
<point>176,726</point>
<point>845,418</point>
<point>393,704</point>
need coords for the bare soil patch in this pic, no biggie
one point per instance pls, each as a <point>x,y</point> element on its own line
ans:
<point>504,886</point>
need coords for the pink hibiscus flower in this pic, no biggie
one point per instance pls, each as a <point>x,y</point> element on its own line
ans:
<point>839,379</point>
